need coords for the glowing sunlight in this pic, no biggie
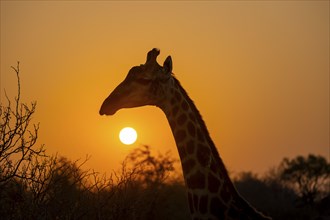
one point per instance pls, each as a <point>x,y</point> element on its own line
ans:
<point>128,135</point>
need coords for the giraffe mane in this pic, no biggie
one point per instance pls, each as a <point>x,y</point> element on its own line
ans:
<point>239,199</point>
<point>203,126</point>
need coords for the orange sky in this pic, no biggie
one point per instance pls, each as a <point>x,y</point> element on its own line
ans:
<point>257,71</point>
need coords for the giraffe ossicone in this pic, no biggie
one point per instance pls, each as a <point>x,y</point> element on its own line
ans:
<point>211,193</point>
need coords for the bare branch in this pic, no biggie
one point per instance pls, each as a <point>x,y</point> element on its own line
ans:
<point>18,135</point>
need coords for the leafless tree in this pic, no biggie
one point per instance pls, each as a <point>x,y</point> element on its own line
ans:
<point>18,136</point>
<point>34,185</point>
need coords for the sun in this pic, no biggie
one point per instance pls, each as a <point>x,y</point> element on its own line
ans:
<point>127,135</point>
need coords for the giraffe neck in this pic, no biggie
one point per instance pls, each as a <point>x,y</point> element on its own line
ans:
<point>211,194</point>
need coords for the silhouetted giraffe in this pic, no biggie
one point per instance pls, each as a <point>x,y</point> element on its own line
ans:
<point>211,194</point>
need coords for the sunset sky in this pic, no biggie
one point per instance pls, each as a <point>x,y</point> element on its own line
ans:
<point>257,71</point>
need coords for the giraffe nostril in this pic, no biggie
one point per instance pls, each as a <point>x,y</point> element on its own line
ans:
<point>104,111</point>
<point>109,106</point>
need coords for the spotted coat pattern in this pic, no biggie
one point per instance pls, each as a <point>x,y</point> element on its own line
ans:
<point>211,194</point>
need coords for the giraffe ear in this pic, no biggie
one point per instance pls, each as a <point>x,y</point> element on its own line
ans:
<point>152,55</point>
<point>168,65</point>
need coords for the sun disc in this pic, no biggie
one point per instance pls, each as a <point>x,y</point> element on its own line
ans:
<point>127,135</point>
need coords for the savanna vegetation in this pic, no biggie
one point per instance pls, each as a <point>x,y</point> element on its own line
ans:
<point>35,185</point>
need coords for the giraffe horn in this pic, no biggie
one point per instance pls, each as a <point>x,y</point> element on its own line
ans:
<point>152,55</point>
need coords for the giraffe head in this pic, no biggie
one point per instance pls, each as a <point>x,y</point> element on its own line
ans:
<point>143,85</point>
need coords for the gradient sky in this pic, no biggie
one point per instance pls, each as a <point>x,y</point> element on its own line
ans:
<point>257,71</point>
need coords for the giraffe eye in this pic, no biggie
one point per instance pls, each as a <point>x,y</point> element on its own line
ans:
<point>143,81</point>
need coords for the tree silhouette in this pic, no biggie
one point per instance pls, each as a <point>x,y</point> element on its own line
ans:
<point>153,170</point>
<point>309,176</point>
<point>34,185</point>
<point>17,136</point>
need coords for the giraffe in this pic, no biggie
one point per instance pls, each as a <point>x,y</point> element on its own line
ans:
<point>211,194</point>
